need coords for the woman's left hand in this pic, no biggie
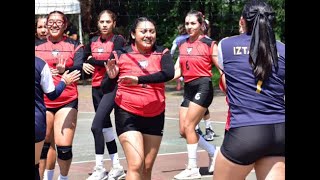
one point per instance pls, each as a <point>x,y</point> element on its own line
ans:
<point>128,80</point>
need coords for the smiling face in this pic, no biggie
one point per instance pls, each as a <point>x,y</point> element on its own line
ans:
<point>106,24</point>
<point>193,26</point>
<point>42,30</point>
<point>56,26</point>
<point>144,36</point>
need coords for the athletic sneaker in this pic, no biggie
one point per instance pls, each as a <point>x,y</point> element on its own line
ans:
<point>209,134</point>
<point>99,173</point>
<point>211,163</point>
<point>116,173</point>
<point>189,173</point>
<point>199,132</point>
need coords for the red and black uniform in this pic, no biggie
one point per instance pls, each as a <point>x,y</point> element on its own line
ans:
<point>100,49</point>
<point>196,64</point>
<point>51,52</point>
<point>144,102</point>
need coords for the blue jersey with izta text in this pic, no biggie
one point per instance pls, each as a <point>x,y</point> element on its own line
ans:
<point>251,102</point>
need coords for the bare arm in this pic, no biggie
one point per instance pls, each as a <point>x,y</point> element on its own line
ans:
<point>177,70</point>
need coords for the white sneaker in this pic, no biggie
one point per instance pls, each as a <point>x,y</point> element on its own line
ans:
<point>189,173</point>
<point>116,173</point>
<point>211,163</point>
<point>99,173</point>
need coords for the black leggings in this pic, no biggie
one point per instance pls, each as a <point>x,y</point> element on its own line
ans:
<point>102,120</point>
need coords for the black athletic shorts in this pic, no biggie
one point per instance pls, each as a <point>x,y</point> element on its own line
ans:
<point>245,145</point>
<point>199,91</point>
<point>72,104</point>
<point>126,121</point>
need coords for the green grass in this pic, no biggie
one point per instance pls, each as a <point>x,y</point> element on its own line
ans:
<point>215,77</point>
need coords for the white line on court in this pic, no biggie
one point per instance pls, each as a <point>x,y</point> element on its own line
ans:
<point>164,154</point>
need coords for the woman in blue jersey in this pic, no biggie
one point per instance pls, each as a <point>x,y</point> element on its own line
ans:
<point>141,69</point>
<point>197,56</point>
<point>46,161</point>
<point>44,86</point>
<point>254,70</point>
<point>98,51</point>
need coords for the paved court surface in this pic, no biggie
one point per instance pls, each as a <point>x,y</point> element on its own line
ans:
<point>172,155</point>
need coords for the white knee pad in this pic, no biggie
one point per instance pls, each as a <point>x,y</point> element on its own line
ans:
<point>108,134</point>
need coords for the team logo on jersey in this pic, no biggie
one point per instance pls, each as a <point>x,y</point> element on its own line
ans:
<point>55,52</point>
<point>100,50</point>
<point>143,64</point>
<point>189,49</point>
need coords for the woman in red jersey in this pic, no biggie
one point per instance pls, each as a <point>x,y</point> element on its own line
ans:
<point>61,53</point>
<point>141,70</point>
<point>197,56</point>
<point>99,49</point>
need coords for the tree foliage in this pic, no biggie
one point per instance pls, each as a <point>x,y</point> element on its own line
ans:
<point>168,14</point>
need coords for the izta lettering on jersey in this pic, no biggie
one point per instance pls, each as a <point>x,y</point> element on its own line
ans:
<point>238,50</point>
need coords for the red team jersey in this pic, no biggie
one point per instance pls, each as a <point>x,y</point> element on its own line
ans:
<point>50,52</point>
<point>101,51</point>
<point>195,58</point>
<point>147,100</point>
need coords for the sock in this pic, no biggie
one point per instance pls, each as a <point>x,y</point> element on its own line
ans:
<point>197,127</point>
<point>192,155</point>
<point>208,123</point>
<point>62,177</point>
<point>115,160</point>
<point>206,146</point>
<point>48,174</point>
<point>99,160</point>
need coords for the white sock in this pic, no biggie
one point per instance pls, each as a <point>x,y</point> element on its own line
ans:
<point>192,155</point>
<point>208,123</point>
<point>48,174</point>
<point>99,160</point>
<point>206,146</point>
<point>62,177</point>
<point>115,160</point>
<point>197,127</point>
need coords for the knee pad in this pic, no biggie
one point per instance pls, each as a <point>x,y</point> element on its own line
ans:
<point>108,134</point>
<point>45,150</point>
<point>64,152</point>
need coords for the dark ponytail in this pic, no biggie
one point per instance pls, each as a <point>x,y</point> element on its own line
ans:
<point>259,17</point>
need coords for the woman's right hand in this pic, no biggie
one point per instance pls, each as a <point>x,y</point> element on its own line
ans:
<point>72,77</point>
<point>54,72</point>
<point>88,68</point>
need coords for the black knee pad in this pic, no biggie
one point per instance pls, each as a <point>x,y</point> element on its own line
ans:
<point>112,147</point>
<point>64,152</point>
<point>45,150</point>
